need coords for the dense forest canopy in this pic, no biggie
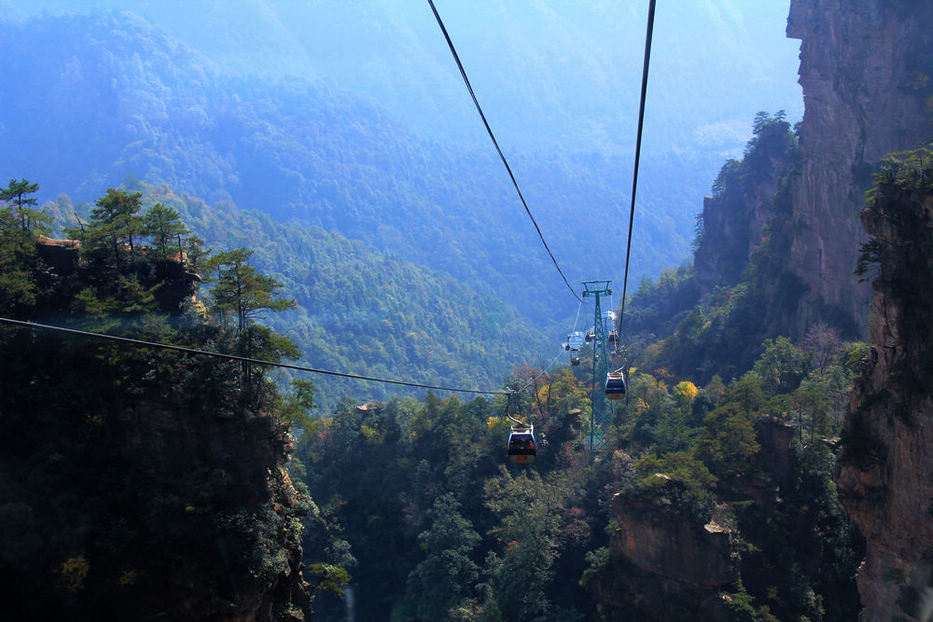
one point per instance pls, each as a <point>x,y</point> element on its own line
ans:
<point>356,310</point>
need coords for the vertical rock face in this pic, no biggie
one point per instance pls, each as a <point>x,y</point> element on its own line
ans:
<point>664,566</point>
<point>734,220</point>
<point>886,473</point>
<point>865,70</point>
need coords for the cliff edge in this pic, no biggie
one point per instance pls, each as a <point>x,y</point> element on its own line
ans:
<point>885,474</point>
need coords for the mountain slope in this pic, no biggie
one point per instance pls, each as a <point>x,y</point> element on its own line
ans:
<point>110,97</point>
<point>368,312</point>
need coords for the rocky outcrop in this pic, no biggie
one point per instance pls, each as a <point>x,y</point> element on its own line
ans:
<point>734,219</point>
<point>865,74</point>
<point>139,483</point>
<point>60,255</point>
<point>665,566</point>
<point>885,475</point>
<point>868,88</point>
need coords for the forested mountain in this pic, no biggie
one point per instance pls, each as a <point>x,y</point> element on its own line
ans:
<point>359,310</point>
<point>142,482</point>
<point>554,77</point>
<point>109,96</point>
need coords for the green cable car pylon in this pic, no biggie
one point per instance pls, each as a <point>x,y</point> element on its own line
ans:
<point>599,416</point>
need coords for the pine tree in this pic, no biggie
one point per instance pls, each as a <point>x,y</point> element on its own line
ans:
<point>113,224</point>
<point>242,294</point>
<point>30,220</point>
<point>163,224</point>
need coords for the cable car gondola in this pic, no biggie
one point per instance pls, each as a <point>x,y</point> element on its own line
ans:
<point>522,448</point>
<point>574,358</point>
<point>615,385</point>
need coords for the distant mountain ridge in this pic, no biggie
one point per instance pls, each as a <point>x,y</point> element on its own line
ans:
<point>555,76</point>
<point>108,97</point>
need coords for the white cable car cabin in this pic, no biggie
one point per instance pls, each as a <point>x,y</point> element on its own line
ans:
<point>522,447</point>
<point>615,385</point>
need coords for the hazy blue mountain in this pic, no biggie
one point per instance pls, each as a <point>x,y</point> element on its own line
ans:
<point>552,75</point>
<point>110,97</point>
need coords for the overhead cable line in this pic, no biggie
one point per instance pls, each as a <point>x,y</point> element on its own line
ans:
<point>543,371</point>
<point>495,143</point>
<point>245,359</point>
<point>641,122</point>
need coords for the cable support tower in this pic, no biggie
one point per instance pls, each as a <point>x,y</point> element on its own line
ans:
<point>495,143</point>
<point>245,359</point>
<point>598,406</point>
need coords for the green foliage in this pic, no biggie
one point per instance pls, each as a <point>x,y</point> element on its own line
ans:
<point>447,576</point>
<point>329,577</point>
<point>135,464</point>
<point>412,483</point>
<point>108,236</point>
<point>678,483</point>
<point>163,224</point>
<point>656,308</point>
<point>781,366</point>
<point>728,440</point>
<point>240,292</point>
<point>30,220</point>
<point>528,509</point>
<point>740,606</point>
<point>365,311</point>
<point>596,563</point>
<point>17,259</point>
<point>293,409</point>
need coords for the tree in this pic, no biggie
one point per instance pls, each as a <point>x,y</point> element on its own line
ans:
<point>240,292</point>
<point>17,256</point>
<point>529,512</point>
<point>447,575</point>
<point>163,225</point>
<point>243,294</point>
<point>113,224</point>
<point>728,440</point>
<point>781,366</point>
<point>823,343</point>
<point>30,220</point>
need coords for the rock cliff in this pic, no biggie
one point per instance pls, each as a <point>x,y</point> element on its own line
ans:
<point>885,473</point>
<point>865,69</point>
<point>734,220</point>
<point>136,483</point>
<point>665,567</point>
<point>867,79</point>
